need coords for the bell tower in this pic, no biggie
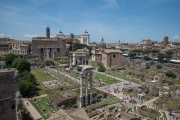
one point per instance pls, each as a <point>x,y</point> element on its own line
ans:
<point>48,32</point>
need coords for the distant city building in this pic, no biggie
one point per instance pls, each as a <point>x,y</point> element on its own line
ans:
<point>49,48</point>
<point>20,47</point>
<point>84,38</point>
<point>17,47</point>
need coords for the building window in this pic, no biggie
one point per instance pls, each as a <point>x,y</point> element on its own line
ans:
<point>114,56</point>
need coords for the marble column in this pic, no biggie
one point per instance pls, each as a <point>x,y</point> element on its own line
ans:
<point>90,80</point>
<point>74,60</point>
<point>85,59</point>
<point>86,96</point>
<point>70,62</point>
<point>81,89</point>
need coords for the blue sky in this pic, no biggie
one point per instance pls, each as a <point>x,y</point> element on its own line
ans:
<point>129,21</point>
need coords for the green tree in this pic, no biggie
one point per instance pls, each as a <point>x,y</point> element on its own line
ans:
<point>169,54</point>
<point>154,52</point>
<point>21,64</point>
<point>131,54</point>
<point>101,67</point>
<point>161,56</point>
<point>25,75</point>
<point>146,58</point>
<point>9,59</point>
<point>138,51</point>
<point>28,83</point>
<point>146,52</point>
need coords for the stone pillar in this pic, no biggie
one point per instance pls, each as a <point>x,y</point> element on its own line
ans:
<point>81,88</point>
<point>53,55</point>
<point>18,106</point>
<point>70,62</point>
<point>74,60</point>
<point>141,99</point>
<point>85,59</point>
<point>82,61</point>
<point>86,96</point>
<point>90,80</point>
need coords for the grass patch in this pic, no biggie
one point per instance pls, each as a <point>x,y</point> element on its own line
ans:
<point>43,90</point>
<point>149,112</point>
<point>109,102</point>
<point>105,79</point>
<point>47,109</point>
<point>41,76</point>
<point>169,103</point>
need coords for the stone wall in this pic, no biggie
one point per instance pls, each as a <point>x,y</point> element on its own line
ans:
<point>9,86</point>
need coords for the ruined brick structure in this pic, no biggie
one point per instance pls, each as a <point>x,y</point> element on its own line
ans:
<point>10,98</point>
<point>49,48</point>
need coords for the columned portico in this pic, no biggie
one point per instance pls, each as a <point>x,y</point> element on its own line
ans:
<point>86,76</point>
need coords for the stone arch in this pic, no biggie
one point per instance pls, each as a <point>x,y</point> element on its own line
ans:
<point>156,78</point>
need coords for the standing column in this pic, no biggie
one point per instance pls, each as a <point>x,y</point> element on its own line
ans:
<point>90,80</point>
<point>74,60</point>
<point>85,59</point>
<point>86,97</point>
<point>70,62</point>
<point>81,88</point>
<point>82,61</point>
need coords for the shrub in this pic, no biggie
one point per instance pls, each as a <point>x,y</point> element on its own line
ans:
<point>79,68</point>
<point>146,58</point>
<point>101,67</point>
<point>158,66</point>
<point>64,61</point>
<point>170,74</point>
<point>147,66</point>
<point>48,62</point>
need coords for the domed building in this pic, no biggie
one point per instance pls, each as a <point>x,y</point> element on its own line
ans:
<point>102,44</point>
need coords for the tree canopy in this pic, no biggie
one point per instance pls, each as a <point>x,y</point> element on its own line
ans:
<point>131,54</point>
<point>75,46</point>
<point>21,64</point>
<point>9,59</point>
<point>137,50</point>
<point>28,83</point>
<point>169,54</point>
<point>161,56</point>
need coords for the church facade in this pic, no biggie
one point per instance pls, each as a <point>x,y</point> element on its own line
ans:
<point>49,48</point>
<point>109,57</point>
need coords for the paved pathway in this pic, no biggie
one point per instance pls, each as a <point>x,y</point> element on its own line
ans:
<point>150,102</point>
<point>34,113</point>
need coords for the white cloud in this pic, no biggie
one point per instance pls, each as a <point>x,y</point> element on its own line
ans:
<point>30,36</point>
<point>2,34</point>
<point>9,35</point>
<point>110,4</point>
<point>176,37</point>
